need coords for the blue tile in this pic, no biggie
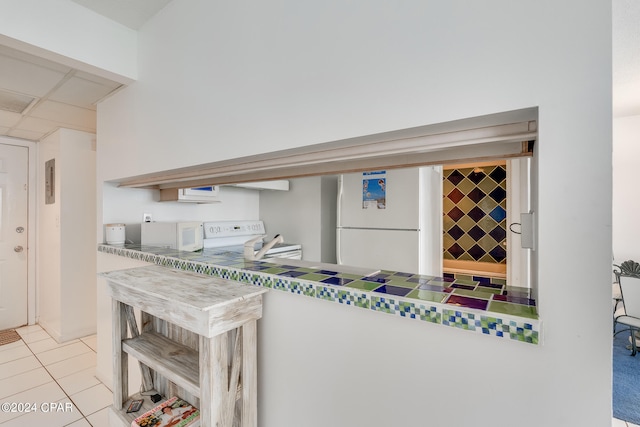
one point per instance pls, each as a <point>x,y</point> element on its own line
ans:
<point>393,290</point>
<point>379,276</point>
<point>375,279</point>
<point>336,281</point>
<point>498,214</point>
<point>292,273</point>
<point>327,272</point>
<point>469,302</point>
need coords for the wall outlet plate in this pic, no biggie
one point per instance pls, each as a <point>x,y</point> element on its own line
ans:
<point>146,217</point>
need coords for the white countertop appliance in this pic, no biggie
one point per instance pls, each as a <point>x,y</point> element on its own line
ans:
<point>183,236</point>
<point>391,220</point>
<point>230,236</point>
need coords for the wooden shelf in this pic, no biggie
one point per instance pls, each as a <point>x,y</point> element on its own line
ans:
<point>125,418</point>
<point>216,316</point>
<point>175,362</point>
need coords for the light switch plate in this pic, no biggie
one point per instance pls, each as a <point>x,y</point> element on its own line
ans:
<point>527,238</point>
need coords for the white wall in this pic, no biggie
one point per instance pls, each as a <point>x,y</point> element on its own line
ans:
<point>626,203</point>
<point>66,250</point>
<point>66,32</point>
<point>305,214</point>
<point>49,241</point>
<point>224,80</point>
<point>127,205</point>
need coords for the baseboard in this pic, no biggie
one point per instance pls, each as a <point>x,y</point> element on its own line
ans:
<point>54,333</point>
<point>68,336</point>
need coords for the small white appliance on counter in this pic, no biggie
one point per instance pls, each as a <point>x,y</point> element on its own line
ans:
<point>391,220</point>
<point>114,234</point>
<point>183,236</point>
<point>230,236</point>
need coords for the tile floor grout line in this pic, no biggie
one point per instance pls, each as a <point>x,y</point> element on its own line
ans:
<point>83,416</point>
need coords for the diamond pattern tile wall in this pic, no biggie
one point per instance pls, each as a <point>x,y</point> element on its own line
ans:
<point>475,211</point>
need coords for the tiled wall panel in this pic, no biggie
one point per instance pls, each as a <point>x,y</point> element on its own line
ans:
<point>475,210</point>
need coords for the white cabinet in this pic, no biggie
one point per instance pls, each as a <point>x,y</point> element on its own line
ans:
<point>278,185</point>
<point>209,194</point>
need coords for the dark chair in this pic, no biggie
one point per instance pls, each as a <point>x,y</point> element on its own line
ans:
<point>628,310</point>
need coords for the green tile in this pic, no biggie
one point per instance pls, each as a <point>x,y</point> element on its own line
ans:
<point>447,222</point>
<point>447,203</point>
<point>487,185</point>
<point>465,186</point>
<point>349,276</point>
<point>466,242</point>
<point>447,240</point>
<point>305,269</point>
<point>513,309</point>
<point>466,204</point>
<point>273,270</point>
<point>465,257</point>
<point>488,259</point>
<point>490,290</point>
<point>360,284</point>
<point>465,280</point>
<point>475,294</point>
<point>466,223</point>
<point>427,295</point>
<point>447,186</point>
<point>402,283</point>
<point>440,283</point>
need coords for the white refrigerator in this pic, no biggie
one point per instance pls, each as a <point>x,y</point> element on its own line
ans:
<point>391,220</point>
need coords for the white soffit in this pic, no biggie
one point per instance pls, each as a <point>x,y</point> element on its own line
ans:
<point>495,136</point>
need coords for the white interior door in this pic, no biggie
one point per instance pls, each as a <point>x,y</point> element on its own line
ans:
<point>14,161</point>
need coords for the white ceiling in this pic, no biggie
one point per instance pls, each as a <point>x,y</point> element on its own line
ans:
<point>61,96</point>
<point>64,97</point>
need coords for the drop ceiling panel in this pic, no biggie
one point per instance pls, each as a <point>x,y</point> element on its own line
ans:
<point>66,114</point>
<point>35,60</point>
<point>38,125</point>
<point>80,92</point>
<point>26,134</point>
<point>9,119</point>
<point>97,79</point>
<point>27,78</point>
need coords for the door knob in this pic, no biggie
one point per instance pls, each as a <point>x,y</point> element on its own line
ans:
<point>20,230</point>
<point>18,249</point>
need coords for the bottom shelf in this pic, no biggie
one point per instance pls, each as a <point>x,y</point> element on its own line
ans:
<point>122,418</point>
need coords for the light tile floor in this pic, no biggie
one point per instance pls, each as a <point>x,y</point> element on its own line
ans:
<point>56,380</point>
<point>59,379</point>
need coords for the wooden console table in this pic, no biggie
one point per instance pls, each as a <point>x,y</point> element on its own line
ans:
<point>198,341</point>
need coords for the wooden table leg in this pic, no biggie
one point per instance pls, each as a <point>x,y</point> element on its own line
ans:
<point>214,357</point>
<point>250,374</point>
<point>120,358</point>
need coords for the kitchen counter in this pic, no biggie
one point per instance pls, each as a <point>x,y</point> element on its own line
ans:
<point>482,305</point>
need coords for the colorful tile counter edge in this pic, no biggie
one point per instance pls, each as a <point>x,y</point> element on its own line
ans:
<point>485,306</point>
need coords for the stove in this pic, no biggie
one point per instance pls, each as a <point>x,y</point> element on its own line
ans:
<point>228,237</point>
